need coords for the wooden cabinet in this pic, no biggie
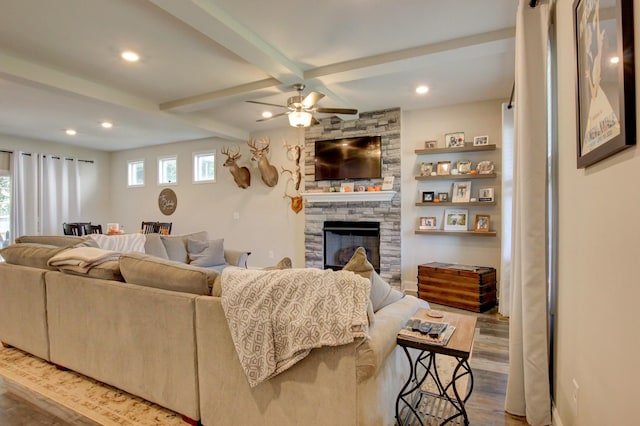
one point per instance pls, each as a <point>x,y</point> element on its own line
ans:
<point>470,288</point>
<point>478,180</point>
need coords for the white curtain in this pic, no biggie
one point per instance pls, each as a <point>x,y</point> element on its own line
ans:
<point>504,307</point>
<point>45,193</point>
<point>24,194</point>
<point>528,384</point>
<point>60,193</point>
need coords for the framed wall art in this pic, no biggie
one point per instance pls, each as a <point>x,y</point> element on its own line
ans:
<point>428,222</point>
<point>454,140</point>
<point>605,78</point>
<point>461,192</point>
<point>427,196</point>
<point>483,221</point>
<point>480,140</point>
<point>456,219</point>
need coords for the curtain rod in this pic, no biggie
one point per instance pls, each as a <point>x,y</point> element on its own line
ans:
<point>52,156</point>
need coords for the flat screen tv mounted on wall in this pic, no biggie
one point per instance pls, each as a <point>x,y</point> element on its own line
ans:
<point>349,158</point>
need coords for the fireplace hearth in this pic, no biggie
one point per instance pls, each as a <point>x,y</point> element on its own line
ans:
<point>342,238</point>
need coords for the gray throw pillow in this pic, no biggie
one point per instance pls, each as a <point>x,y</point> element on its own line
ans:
<point>176,245</point>
<point>206,253</point>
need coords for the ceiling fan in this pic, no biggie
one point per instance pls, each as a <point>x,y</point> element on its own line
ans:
<point>301,108</point>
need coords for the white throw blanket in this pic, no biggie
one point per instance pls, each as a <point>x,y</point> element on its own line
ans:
<point>276,317</point>
<point>81,259</point>
<point>125,243</point>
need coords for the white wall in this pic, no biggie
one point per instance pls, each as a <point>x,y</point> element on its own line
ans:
<point>599,284</point>
<point>418,126</point>
<point>266,225</point>
<point>95,202</point>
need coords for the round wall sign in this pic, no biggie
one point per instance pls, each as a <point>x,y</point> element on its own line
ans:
<point>167,201</point>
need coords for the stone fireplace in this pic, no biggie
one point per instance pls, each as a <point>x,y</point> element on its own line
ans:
<point>386,214</point>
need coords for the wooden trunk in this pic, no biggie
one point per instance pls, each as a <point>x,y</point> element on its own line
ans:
<point>473,289</point>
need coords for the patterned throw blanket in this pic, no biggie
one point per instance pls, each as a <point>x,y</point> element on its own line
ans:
<point>277,317</point>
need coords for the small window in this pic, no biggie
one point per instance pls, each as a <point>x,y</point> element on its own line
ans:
<point>204,167</point>
<point>135,173</point>
<point>168,170</point>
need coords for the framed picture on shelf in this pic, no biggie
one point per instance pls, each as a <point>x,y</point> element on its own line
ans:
<point>427,196</point>
<point>480,140</point>
<point>485,195</point>
<point>464,167</point>
<point>428,222</point>
<point>606,104</point>
<point>456,219</point>
<point>443,197</point>
<point>483,221</point>
<point>454,140</point>
<point>461,192</point>
<point>443,168</point>
<point>431,144</point>
<point>426,169</point>
<point>346,187</point>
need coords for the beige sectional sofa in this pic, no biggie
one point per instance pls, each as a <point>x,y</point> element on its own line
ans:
<point>154,333</point>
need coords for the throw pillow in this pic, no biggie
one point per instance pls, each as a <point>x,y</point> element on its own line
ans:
<point>153,246</point>
<point>206,253</point>
<point>285,263</point>
<point>382,294</point>
<point>176,245</point>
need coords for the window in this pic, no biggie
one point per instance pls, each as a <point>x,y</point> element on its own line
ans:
<point>135,173</point>
<point>168,170</point>
<point>204,167</point>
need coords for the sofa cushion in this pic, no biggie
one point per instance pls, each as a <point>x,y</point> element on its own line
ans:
<point>153,246</point>
<point>382,294</point>
<point>176,245</point>
<point>51,240</point>
<point>150,271</point>
<point>31,254</point>
<point>109,270</point>
<point>205,253</point>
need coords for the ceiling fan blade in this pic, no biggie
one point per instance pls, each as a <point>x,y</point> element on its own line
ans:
<point>273,116</point>
<point>314,121</point>
<point>311,99</point>
<point>266,103</point>
<point>336,110</point>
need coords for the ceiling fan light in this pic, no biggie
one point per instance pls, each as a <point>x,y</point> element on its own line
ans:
<point>300,119</point>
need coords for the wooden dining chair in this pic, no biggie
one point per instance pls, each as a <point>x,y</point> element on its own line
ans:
<point>164,228</point>
<point>71,229</point>
<point>88,228</point>
<point>149,228</point>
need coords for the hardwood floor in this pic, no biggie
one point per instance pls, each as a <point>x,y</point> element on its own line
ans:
<point>489,363</point>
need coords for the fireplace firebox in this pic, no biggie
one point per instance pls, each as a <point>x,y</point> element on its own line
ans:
<point>341,239</point>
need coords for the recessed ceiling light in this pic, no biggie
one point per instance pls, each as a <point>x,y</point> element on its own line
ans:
<point>614,60</point>
<point>130,56</point>
<point>106,124</point>
<point>71,132</point>
<point>267,114</point>
<point>421,90</point>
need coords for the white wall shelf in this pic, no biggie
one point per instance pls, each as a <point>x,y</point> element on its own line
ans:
<point>332,197</point>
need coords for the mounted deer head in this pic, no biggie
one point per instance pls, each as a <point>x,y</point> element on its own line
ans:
<point>241,175</point>
<point>269,173</point>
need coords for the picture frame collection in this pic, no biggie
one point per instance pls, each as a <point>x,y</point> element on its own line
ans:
<point>460,167</point>
<point>456,140</point>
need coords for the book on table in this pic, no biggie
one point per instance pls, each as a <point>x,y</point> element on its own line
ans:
<point>441,339</point>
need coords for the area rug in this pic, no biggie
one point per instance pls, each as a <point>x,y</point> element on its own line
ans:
<point>97,401</point>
